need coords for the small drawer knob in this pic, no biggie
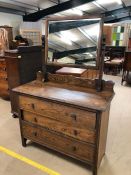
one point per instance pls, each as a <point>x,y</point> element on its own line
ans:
<point>34,134</point>
<point>74,148</point>
<point>35,119</point>
<point>75,132</point>
<point>74,116</point>
<point>33,106</point>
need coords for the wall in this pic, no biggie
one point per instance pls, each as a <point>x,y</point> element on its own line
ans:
<point>11,20</point>
<point>31,26</point>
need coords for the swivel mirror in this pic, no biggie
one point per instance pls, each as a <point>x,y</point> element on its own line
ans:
<point>73,41</point>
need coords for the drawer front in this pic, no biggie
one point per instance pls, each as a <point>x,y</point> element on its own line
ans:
<point>3,69</point>
<point>3,85</point>
<point>2,64</point>
<point>62,144</point>
<point>3,75</point>
<point>64,128</point>
<point>76,117</point>
<point>4,93</point>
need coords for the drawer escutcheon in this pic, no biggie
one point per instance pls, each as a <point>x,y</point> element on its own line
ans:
<point>74,116</point>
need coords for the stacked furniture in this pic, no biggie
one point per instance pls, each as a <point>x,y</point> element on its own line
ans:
<point>9,35</point>
<point>22,65</point>
<point>116,57</point>
<point>4,92</point>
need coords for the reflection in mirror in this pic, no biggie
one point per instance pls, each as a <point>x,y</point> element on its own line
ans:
<point>74,41</point>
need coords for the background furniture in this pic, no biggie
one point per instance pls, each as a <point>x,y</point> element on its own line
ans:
<point>107,31</point>
<point>114,63</point>
<point>4,92</point>
<point>126,76</point>
<point>10,35</point>
<point>22,65</point>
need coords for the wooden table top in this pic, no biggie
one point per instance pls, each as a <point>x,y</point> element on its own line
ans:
<point>71,71</point>
<point>82,98</point>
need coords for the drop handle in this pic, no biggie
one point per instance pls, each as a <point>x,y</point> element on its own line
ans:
<point>74,116</point>
<point>75,132</point>
<point>35,120</point>
<point>34,134</point>
<point>74,148</point>
<point>33,106</point>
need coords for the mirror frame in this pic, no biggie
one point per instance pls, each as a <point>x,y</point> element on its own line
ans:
<point>99,45</point>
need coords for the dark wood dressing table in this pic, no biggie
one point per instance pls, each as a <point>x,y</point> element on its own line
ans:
<point>66,113</point>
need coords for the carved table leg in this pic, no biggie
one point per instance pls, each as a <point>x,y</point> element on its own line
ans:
<point>24,142</point>
<point>95,170</point>
<point>14,116</point>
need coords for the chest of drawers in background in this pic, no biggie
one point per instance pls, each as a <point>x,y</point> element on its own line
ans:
<point>22,65</point>
<point>4,92</point>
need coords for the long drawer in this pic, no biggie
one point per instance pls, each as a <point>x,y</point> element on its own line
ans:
<point>2,64</point>
<point>64,128</point>
<point>3,84</point>
<point>77,117</point>
<point>3,75</point>
<point>2,68</point>
<point>62,144</point>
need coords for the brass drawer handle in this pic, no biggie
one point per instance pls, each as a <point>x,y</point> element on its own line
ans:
<point>74,116</point>
<point>35,119</point>
<point>74,148</point>
<point>75,132</point>
<point>34,134</point>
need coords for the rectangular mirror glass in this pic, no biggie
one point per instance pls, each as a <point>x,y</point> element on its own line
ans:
<point>74,42</point>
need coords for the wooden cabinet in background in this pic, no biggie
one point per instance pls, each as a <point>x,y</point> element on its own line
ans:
<point>22,65</point>
<point>4,92</point>
<point>126,76</point>
<point>10,35</point>
<point>107,31</point>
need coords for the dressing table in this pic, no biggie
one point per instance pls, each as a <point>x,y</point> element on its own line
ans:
<point>66,113</point>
